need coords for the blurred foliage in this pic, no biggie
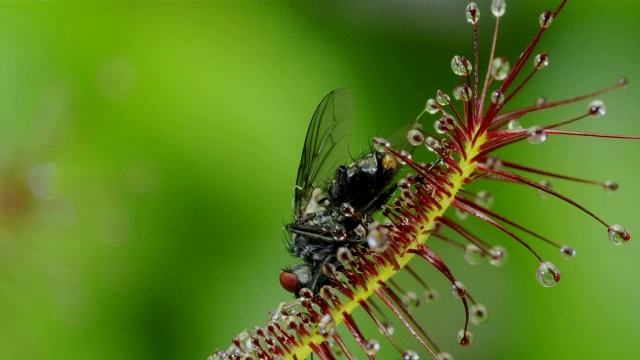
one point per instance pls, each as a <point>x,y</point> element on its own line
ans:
<point>148,154</point>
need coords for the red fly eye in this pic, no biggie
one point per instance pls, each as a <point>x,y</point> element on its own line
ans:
<point>289,281</point>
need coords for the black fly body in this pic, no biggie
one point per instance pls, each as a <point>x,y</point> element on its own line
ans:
<point>330,213</point>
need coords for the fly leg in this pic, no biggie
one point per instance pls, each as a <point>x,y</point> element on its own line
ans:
<point>319,272</point>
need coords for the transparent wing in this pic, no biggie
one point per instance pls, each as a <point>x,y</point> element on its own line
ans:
<point>326,146</point>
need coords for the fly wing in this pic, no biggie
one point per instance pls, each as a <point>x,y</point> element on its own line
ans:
<point>326,146</point>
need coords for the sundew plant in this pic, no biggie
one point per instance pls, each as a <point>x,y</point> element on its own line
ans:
<point>463,128</point>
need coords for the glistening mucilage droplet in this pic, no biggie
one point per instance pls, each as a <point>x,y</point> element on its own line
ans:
<point>461,66</point>
<point>479,314</point>
<point>465,338</point>
<point>473,254</point>
<point>500,68</point>
<point>497,256</point>
<point>410,355</point>
<point>618,234</point>
<point>537,135</point>
<point>372,347</point>
<point>431,107</point>
<point>498,7</point>
<point>567,252</point>
<point>458,290</point>
<point>442,98</point>
<point>473,13</point>
<point>548,274</point>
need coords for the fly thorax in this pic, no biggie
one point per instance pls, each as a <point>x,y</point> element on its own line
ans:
<point>367,165</point>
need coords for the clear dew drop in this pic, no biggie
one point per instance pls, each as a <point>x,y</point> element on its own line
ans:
<point>610,186</point>
<point>444,125</point>
<point>461,66</point>
<point>447,145</point>
<point>338,232</point>
<point>344,256</point>
<point>326,291</point>
<point>473,13</point>
<point>537,135</point>
<point>465,93</point>
<point>442,98</point>
<point>494,164</point>
<point>432,144</point>
<point>456,64</point>
<point>514,124</point>
<point>290,322</point>
<point>465,338</point>
<point>404,184</point>
<point>498,7</point>
<point>548,274</point>
<point>541,101</point>
<point>443,356</point>
<point>541,61</point>
<point>497,256</point>
<point>219,355</point>
<point>456,92</point>
<point>448,123</point>
<point>329,270</point>
<point>546,18</point>
<point>497,97</point>
<point>411,178</point>
<point>388,328</point>
<point>306,293</point>
<point>410,355</point>
<point>347,210</point>
<point>597,108</point>
<point>415,137</point>
<point>411,300</point>
<point>405,155</point>
<point>546,184</point>
<point>377,241</point>
<point>567,252</point>
<point>431,107</point>
<point>484,199</point>
<point>327,326</point>
<point>624,82</point>
<point>479,314</point>
<point>618,234</point>
<point>500,68</point>
<point>430,295</point>
<point>473,255</point>
<point>461,215</point>
<point>380,144</point>
<point>244,338</point>
<point>458,290</point>
<point>372,347</point>
<point>437,126</point>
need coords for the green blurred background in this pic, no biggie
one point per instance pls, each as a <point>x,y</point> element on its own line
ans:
<point>148,154</point>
